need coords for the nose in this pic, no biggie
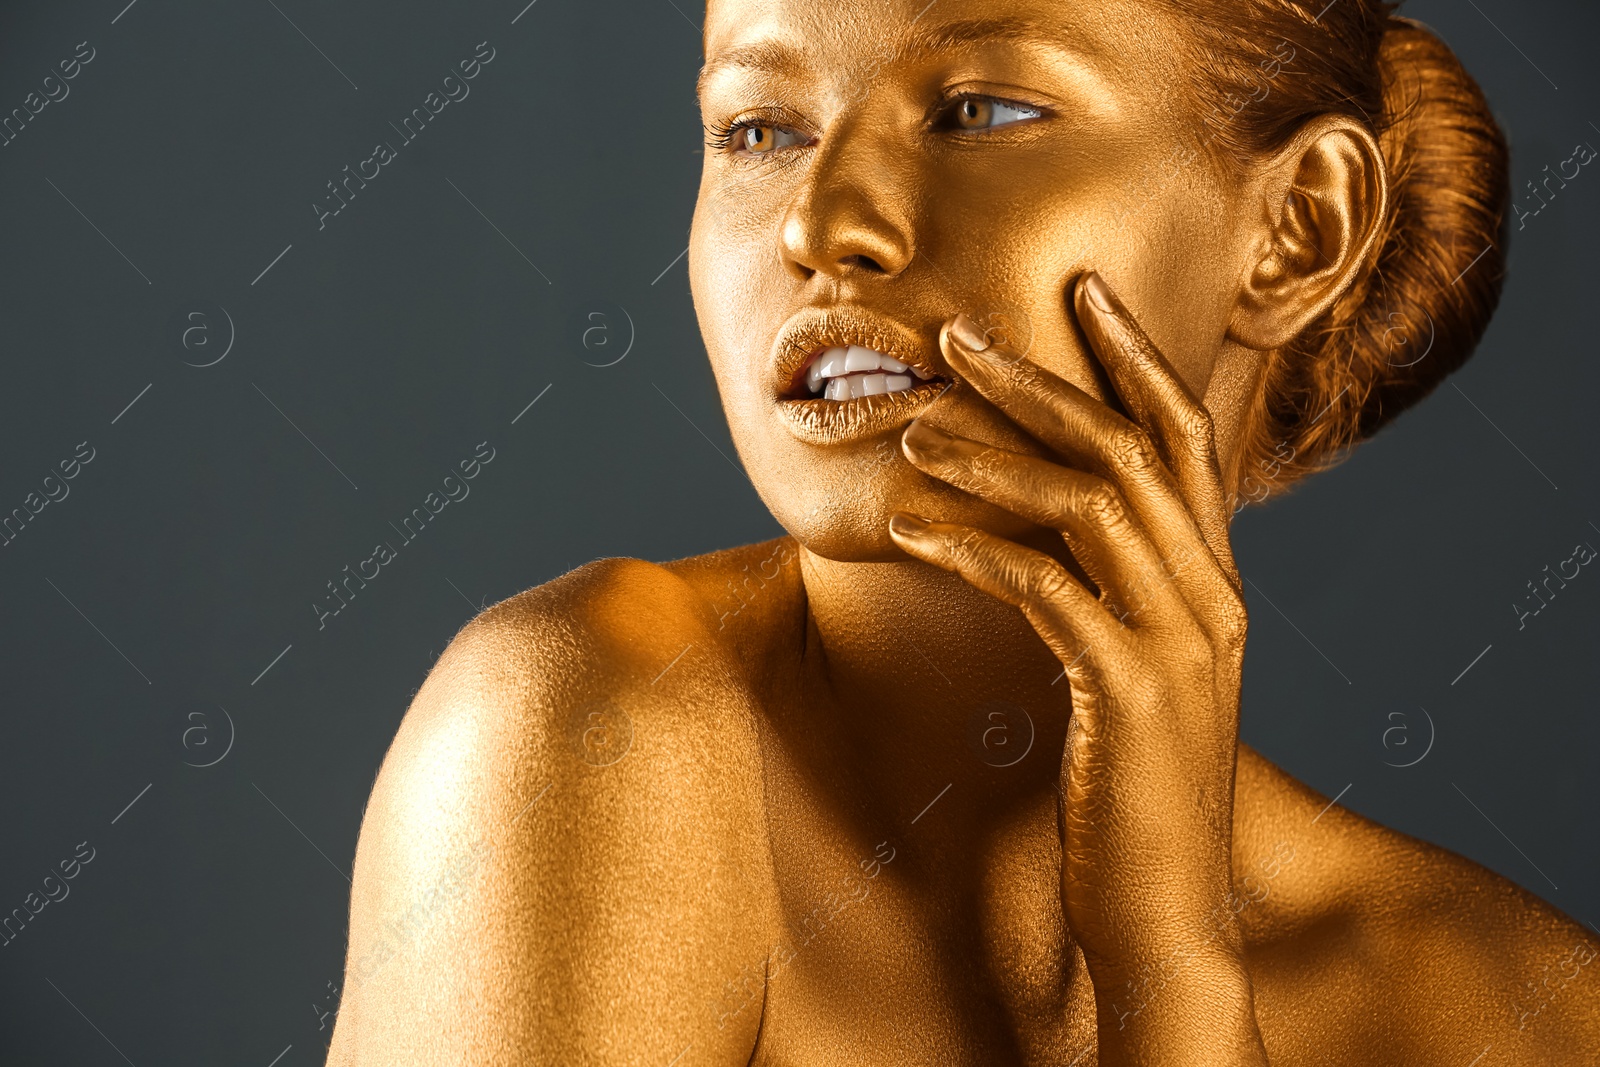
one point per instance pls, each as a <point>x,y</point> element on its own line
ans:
<point>851,215</point>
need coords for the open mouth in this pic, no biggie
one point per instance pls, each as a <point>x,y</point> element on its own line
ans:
<point>852,391</point>
<point>847,374</point>
<point>850,372</point>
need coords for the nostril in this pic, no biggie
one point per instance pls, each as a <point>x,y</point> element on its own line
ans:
<point>866,263</point>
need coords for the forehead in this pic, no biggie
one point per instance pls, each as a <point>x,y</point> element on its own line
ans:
<point>1121,40</point>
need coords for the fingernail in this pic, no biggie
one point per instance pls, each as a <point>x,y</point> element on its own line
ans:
<point>902,522</point>
<point>924,438</point>
<point>967,332</point>
<point>1099,293</point>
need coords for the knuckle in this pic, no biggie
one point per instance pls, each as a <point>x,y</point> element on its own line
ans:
<point>1046,582</point>
<point>1132,451</point>
<point>988,465</point>
<point>1235,619</point>
<point>1100,503</point>
<point>1196,426</point>
<point>1043,393</point>
<point>965,545</point>
<point>1224,620</point>
<point>1031,383</point>
<point>1198,659</point>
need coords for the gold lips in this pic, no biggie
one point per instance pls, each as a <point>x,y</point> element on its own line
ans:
<point>824,422</point>
<point>814,330</point>
<point>828,422</point>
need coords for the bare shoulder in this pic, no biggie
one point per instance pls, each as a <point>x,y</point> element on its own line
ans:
<point>1370,946</point>
<point>569,819</point>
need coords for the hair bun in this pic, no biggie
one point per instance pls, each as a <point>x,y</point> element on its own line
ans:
<point>1434,281</point>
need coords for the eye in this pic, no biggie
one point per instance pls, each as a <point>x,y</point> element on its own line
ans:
<point>985,113</point>
<point>753,138</point>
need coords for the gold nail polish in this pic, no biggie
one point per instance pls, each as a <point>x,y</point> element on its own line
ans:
<point>968,334</point>
<point>905,523</point>
<point>1099,293</point>
<point>924,438</point>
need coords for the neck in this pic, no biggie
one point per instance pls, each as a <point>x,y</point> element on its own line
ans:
<point>917,659</point>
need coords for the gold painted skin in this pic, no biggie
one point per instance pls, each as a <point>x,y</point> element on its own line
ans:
<point>796,856</point>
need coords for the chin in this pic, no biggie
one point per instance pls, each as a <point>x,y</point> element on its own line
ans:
<point>846,519</point>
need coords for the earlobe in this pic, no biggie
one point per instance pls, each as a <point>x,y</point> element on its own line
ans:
<point>1324,202</point>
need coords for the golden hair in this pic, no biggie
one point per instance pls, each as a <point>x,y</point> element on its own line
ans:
<point>1419,307</point>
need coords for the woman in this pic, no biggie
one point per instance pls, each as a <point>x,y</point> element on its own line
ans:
<point>1009,303</point>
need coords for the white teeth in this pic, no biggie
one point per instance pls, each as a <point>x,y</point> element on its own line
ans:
<point>853,371</point>
<point>859,358</point>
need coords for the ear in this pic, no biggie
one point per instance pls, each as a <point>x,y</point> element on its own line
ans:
<point>1323,199</point>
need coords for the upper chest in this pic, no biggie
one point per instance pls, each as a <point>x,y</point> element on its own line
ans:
<point>908,938</point>
<point>911,928</point>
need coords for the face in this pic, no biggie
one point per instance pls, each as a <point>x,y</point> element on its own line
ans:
<point>875,167</point>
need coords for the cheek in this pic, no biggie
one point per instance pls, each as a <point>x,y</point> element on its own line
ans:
<point>1174,267</point>
<point>736,305</point>
<point>741,299</point>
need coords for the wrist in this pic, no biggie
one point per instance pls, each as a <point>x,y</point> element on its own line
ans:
<point>1191,1004</point>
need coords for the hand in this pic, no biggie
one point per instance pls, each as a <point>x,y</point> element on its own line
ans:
<point>1152,654</point>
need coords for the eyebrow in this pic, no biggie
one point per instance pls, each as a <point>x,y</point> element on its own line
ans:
<point>917,42</point>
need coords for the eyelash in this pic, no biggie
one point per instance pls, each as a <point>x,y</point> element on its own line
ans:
<point>951,102</point>
<point>720,135</point>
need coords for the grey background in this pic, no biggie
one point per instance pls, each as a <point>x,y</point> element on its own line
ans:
<point>175,579</point>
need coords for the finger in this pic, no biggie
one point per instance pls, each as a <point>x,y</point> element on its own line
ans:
<point>1180,425</point>
<point>1066,615</point>
<point>1089,512</point>
<point>1086,431</point>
